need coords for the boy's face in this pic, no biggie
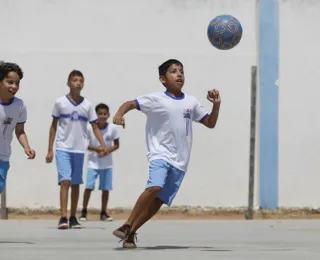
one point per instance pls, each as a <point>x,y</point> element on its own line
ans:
<point>103,115</point>
<point>76,84</point>
<point>9,86</point>
<point>174,77</point>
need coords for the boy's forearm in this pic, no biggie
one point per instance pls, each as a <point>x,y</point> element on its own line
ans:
<point>126,107</point>
<point>52,135</point>
<point>113,148</point>
<point>98,135</point>
<point>23,140</point>
<point>93,148</point>
<point>213,117</point>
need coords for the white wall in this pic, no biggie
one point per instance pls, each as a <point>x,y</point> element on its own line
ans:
<point>118,45</point>
<point>299,127</point>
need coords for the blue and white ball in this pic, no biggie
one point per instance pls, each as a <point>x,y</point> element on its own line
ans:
<point>224,32</point>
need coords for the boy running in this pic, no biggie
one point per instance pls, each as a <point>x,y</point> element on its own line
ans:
<point>169,140</point>
<point>13,115</point>
<point>71,114</point>
<point>100,166</point>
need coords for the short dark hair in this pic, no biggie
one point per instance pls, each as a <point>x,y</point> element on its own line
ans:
<point>163,68</point>
<point>75,73</point>
<point>7,67</point>
<point>102,106</point>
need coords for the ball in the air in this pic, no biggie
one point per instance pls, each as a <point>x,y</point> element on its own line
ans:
<point>224,32</point>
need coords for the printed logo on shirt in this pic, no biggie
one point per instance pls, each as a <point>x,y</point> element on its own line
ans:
<point>187,116</point>
<point>6,122</point>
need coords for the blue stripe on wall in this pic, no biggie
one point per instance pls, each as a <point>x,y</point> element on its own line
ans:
<point>268,76</point>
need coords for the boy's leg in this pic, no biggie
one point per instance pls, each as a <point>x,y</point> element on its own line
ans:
<point>167,194</point>
<point>158,171</point>
<point>76,180</point>
<point>63,163</point>
<point>4,167</point>
<point>105,186</point>
<point>92,175</point>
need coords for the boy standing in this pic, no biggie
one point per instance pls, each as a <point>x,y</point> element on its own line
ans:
<point>13,115</point>
<point>71,114</point>
<point>100,166</point>
<point>169,140</point>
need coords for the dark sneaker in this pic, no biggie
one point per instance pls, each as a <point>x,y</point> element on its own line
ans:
<point>129,241</point>
<point>83,216</point>
<point>73,223</point>
<point>63,223</point>
<point>105,217</point>
<point>122,231</point>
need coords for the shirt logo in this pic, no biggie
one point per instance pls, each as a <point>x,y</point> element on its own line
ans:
<point>187,116</point>
<point>7,120</point>
<point>187,113</point>
<point>74,116</point>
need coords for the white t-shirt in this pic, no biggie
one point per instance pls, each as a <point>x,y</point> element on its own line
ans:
<point>169,126</point>
<point>72,127</point>
<point>109,134</point>
<point>11,114</point>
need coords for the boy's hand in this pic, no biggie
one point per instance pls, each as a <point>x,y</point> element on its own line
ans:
<point>119,120</point>
<point>30,153</point>
<point>103,153</point>
<point>214,96</point>
<point>49,157</point>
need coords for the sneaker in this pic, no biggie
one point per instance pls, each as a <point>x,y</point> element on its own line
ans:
<point>83,216</point>
<point>122,231</point>
<point>63,223</point>
<point>105,217</point>
<point>129,241</point>
<point>73,223</point>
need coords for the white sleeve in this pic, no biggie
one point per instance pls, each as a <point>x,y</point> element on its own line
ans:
<point>92,114</point>
<point>144,103</point>
<point>199,113</point>
<point>115,133</point>
<point>22,115</point>
<point>56,110</point>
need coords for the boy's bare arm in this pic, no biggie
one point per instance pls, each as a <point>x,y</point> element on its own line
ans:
<point>52,135</point>
<point>124,108</point>
<point>98,135</point>
<point>115,145</point>
<point>23,140</point>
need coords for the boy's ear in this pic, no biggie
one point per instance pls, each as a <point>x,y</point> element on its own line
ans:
<point>162,79</point>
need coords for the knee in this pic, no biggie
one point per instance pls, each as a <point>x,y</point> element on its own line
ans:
<point>75,186</point>
<point>65,183</point>
<point>155,190</point>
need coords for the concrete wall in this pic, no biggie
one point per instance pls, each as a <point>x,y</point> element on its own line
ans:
<point>299,127</point>
<point>118,45</point>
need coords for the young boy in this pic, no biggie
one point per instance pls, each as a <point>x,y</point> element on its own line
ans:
<point>71,114</point>
<point>169,140</point>
<point>100,166</point>
<point>13,115</point>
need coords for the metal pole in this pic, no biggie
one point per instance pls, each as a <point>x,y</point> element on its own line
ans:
<point>4,210</point>
<point>252,140</point>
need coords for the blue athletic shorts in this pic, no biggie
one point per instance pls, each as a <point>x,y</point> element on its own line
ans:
<point>70,167</point>
<point>164,175</point>
<point>4,167</point>
<point>105,179</point>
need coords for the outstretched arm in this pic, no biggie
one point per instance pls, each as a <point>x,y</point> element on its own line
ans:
<point>23,139</point>
<point>124,108</point>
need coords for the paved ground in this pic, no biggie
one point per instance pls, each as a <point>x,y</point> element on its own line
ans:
<point>275,240</point>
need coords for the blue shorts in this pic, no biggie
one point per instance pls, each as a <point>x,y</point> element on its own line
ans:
<point>69,167</point>
<point>105,178</point>
<point>164,175</point>
<point>4,167</point>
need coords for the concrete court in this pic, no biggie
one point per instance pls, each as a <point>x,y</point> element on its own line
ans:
<point>268,239</point>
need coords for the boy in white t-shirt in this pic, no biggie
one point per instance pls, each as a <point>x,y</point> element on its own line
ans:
<point>71,114</point>
<point>13,115</point>
<point>100,166</point>
<point>169,139</point>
